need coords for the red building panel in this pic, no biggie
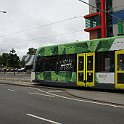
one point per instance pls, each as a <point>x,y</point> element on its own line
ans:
<point>91,15</point>
<point>103,19</point>
<point>91,29</point>
<point>102,14</point>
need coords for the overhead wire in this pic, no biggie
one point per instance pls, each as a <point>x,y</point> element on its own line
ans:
<point>75,17</point>
<point>64,20</point>
<point>54,35</point>
<point>25,30</point>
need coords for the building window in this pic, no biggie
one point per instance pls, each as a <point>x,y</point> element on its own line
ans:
<point>92,22</point>
<point>98,5</point>
<point>105,62</point>
<point>109,23</point>
<point>99,34</point>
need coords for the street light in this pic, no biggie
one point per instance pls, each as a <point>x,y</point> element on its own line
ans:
<point>3,11</point>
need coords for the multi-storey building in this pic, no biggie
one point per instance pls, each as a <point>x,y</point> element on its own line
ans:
<point>105,18</point>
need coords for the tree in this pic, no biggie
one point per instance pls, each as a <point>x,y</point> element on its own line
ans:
<point>22,63</point>
<point>13,60</point>
<point>31,51</point>
<point>4,59</point>
<point>12,51</point>
<point>1,61</point>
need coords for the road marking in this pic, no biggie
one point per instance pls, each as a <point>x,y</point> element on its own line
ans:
<point>44,119</point>
<point>56,91</point>
<point>90,101</point>
<point>42,94</point>
<point>11,90</point>
<point>81,100</point>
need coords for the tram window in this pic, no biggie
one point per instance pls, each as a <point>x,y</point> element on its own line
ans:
<point>107,64</point>
<point>81,63</point>
<point>104,62</point>
<point>89,62</point>
<point>67,63</point>
<point>120,79</point>
<point>50,63</point>
<point>38,66</point>
<point>120,61</point>
<point>89,77</point>
<point>81,77</point>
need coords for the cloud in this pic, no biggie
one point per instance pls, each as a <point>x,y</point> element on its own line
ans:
<point>26,14</point>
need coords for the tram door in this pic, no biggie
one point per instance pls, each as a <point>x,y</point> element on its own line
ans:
<point>85,69</point>
<point>119,69</point>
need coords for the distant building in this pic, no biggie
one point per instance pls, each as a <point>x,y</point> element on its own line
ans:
<point>100,23</point>
<point>29,61</point>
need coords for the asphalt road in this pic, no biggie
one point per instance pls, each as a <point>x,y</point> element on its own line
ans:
<point>25,105</point>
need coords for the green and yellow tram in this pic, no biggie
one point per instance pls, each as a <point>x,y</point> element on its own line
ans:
<point>95,63</point>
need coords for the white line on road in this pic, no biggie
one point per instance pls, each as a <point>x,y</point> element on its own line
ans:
<point>42,94</point>
<point>34,116</point>
<point>56,91</point>
<point>11,90</point>
<point>81,100</point>
<point>89,101</point>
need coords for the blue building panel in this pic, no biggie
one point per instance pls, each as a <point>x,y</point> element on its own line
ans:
<point>119,14</point>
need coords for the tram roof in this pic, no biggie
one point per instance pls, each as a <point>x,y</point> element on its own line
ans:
<point>96,45</point>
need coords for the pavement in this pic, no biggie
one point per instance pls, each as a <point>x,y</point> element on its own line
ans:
<point>98,96</point>
<point>23,79</point>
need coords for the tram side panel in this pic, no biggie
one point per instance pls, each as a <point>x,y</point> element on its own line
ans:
<point>56,69</point>
<point>109,64</point>
<point>108,74</point>
<point>105,70</point>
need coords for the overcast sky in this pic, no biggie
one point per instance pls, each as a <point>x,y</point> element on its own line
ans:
<point>27,14</point>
